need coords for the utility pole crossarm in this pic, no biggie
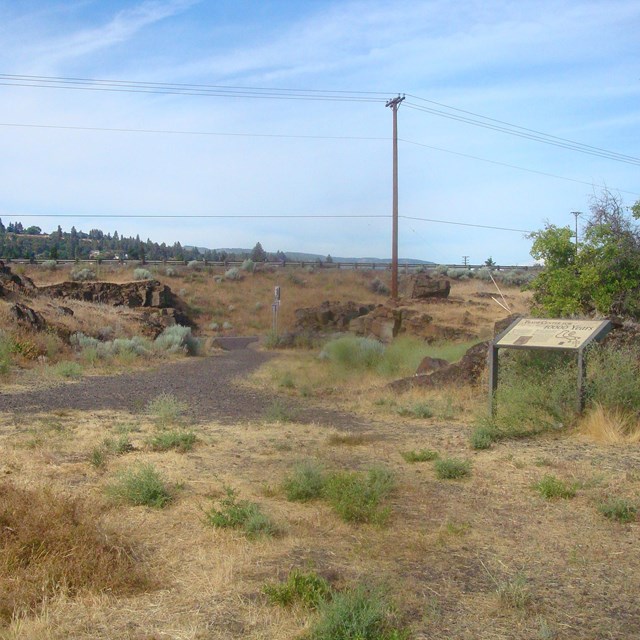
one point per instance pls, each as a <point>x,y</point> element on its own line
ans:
<point>394,103</point>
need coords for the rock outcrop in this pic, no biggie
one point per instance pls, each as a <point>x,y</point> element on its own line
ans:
<point>27,317</point>
<point>329,316</point>
<point>423,286</point>
<point>11,283</point>
<point>147,293</point>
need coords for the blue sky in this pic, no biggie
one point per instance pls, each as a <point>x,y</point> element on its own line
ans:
<point>570,69</point>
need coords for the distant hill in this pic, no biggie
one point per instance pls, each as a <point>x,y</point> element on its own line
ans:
<point>298,256</point>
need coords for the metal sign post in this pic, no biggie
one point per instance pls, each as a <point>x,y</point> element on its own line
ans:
<point>275,307</point>
<point>547,335</point>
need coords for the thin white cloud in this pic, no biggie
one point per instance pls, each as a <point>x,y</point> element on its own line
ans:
<point>122,27</point>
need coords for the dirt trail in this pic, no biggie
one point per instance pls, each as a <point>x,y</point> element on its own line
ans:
<point>208,385</point>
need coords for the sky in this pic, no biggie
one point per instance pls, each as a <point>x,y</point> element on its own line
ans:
<point>298,154</point>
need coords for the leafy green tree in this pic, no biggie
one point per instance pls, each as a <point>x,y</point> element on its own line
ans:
<point>601,275</point>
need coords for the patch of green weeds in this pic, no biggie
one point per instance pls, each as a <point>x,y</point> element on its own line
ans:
<point>68,369</point>
<point>619,509</point>
<point>277,411</point>
<point>348,438</point>
<point>140,485</point>
<point>481,438</point>
<point>359,613</point>
<point>305,588</point>
<point>358,497</point>
<point>181,441</point>
<point>452,468</point>
<point>240,514</point>
<point>287,380</point>
<point>306,482</point>
<point>98,457</point>
<point>166,409</point>
<point>514,593</point>
<point>551,487</point>
<point>420,455</point>
<point>417,410</point>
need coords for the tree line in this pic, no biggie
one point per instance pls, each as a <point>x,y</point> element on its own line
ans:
<point>16,241</point>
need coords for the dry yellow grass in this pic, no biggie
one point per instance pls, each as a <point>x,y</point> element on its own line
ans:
<point>450,552</point>
<point>609,426</point>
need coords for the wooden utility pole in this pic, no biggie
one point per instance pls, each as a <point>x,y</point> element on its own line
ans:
<point>394,103</point>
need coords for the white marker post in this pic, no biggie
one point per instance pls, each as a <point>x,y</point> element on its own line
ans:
<point>274,307</point>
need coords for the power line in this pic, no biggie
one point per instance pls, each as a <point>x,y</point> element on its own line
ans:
<point>515,126</point>
<point>230,91</point>
<point>296,137</point>
<point>186,132</point>
<point>214,216</point>
<point>510,166</point>
<point>585,149</point>
<point>220,91</point>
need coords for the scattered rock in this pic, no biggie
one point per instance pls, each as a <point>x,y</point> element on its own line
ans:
<point>429,365</point>
<point>468,370</point>
<point>334,316</point>
<point>423,286</point>
<point>10,283</point>
<point>27,317</point>
<point>503,324</point>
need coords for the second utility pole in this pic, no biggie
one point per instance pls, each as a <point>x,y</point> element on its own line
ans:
<point>394,104</point>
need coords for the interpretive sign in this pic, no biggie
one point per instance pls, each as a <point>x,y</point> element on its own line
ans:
<point>547,335</point>
<point>538,333</point>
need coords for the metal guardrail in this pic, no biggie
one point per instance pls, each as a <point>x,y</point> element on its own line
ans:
<point>373,266</point>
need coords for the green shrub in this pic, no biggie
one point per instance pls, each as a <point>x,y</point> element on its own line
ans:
<point>5,354</point>
<point>619,509</point>
<point>195,265</point>
<point>308,589</point>
<point>49,265</point>
<point>177,338</point>
<point>166,409</point>
<point>354,353</point>
<point>357,497</point>
<point>277,411</point>
<point>240,514</point>
<point>82,275</point>
<point>233,274</point>
<point>422,455</point>
<point>249,266</point>
<point>417,410</point>
<point>551,487</point>
<point>68,369</point>
<point>482,438</point>
<point>360,613</point>
<point>182,441</point>
<point>306,482</point>
<point>142,274</point>
<point>98,457</point>
<point>171,272</point>
<point>452,468</point>
<point>140,485</point>
<point>119,445</point>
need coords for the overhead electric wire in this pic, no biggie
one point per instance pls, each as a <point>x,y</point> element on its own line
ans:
<point>515,126</point>
<point>188,216</point>
<point>608,155</point>
<point>295,137</point>
<point>510,166</point>
<point>93,84</point>
<point>223,91</point>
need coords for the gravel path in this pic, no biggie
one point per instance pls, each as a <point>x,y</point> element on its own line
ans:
<point>208,385</point>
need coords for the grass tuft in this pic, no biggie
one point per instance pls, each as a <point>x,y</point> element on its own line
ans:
<point>305,483</point>
<point>166,409</point>
<point>358,497</point>
<point>619,509</point>
<point>452,468</point>
<point>240,514</point>
<point>307,589</point>
<point>140,485</point>
<point>421,455</point>
<point>551,487</point>
<point>182,441</point>
<point>360,613</point>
